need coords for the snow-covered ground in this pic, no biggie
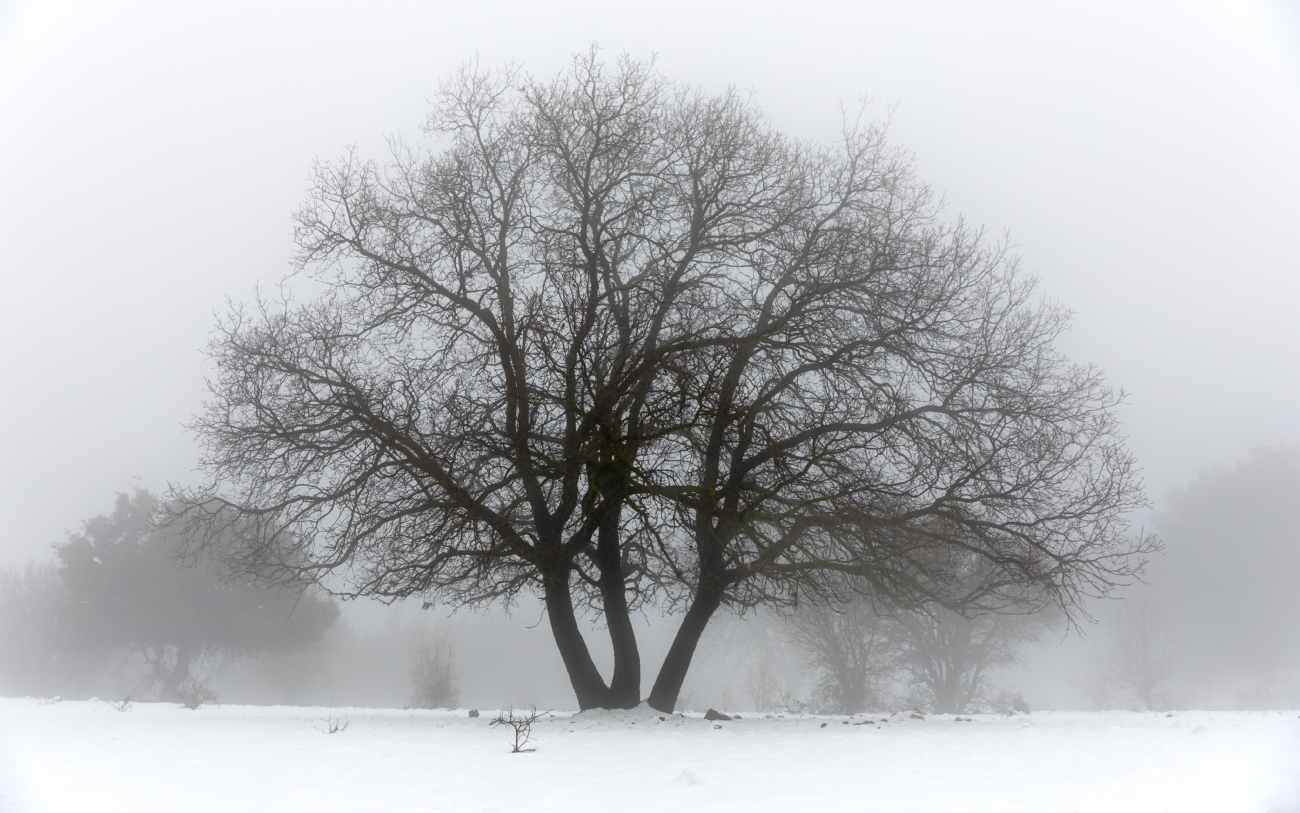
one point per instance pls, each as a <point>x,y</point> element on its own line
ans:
<point>85,756</point>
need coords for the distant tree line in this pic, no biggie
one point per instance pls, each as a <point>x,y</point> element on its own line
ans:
<point>1218,621</point>
<point>1213,623</point>
<point>862,655</point>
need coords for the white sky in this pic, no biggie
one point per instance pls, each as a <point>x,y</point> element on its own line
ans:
<point>1145,157</point>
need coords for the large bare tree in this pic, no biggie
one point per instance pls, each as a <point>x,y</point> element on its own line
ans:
<point>616,341</point>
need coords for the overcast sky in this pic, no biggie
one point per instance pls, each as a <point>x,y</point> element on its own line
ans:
<point>1144,157</point>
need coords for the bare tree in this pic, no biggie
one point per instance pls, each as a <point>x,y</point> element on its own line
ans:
<point>1097,681</point>
<point>618,342</point>
<point>433,670</point>
<point>1272,686</point>
<point>1143,653</point>
<point>949,655</point>
<point>852,650</point>
<point>763,683</point>
<point>858,649</point>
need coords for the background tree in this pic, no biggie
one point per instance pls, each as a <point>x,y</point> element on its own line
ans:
<point>949,651</point>
<point>851,648</point>
<point>949,655</point>
<point>34,656</point>
<point>128,593</point>
<point>1227,583</point>
<point>618,342</point>
<point>859,648</point>
<point>433,669</point>
<point>1097,680</point>
<point>764,681</point>
<point>1142,653</point>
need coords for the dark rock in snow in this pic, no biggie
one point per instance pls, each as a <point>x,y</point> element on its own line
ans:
<point>716,715</point>
<point>473,712</point>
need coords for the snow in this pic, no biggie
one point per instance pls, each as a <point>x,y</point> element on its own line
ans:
<point>84,755</point>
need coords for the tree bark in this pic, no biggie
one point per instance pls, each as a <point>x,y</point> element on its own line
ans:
<point>588,685</point>
<point>625,686</point>
<point>668,685</point>
<point>945,696</point>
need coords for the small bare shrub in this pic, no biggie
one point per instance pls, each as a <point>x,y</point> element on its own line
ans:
<point>787,700</point>
<point>194,693</point>
<point>1008,701</point>
<point>522,725</point>
<point>333,725</point>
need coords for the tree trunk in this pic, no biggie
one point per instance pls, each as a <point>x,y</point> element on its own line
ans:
<point>673,672</point>
<point>179,672</point>
<point>625,686</point>
<point>588,685</point>
<point>945,696</point>
<point>853,690</point>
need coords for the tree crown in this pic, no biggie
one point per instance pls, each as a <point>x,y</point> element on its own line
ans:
<point>609,336</point>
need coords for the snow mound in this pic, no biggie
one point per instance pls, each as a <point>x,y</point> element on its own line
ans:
<point>642,715</point>
<point>687,778</point>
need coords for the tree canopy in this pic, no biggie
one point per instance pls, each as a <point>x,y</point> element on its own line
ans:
<point>622,343</point>
<point>126,591</point>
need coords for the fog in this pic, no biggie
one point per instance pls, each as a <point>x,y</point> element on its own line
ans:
<point>1142,159</point>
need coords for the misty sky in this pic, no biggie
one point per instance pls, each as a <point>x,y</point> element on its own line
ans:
<point>1145,159</point>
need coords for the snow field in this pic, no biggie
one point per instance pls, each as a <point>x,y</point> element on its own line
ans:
<point>85,756</point>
